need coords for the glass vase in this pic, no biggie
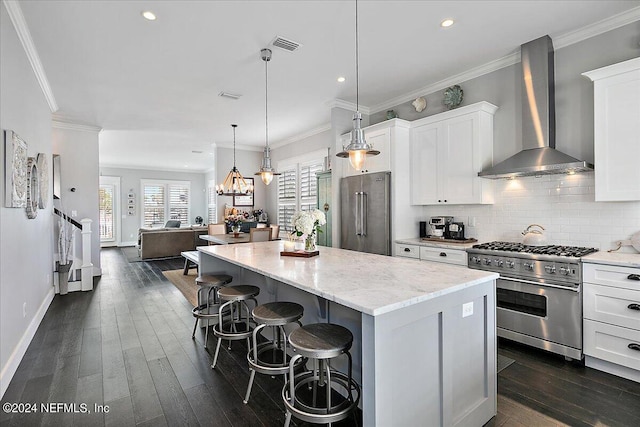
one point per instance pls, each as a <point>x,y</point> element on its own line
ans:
<point>235,229</point>
<point>310,243</point>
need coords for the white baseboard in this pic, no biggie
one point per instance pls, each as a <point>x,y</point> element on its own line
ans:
<point>97,271</point>
<point>123,244</point>
<point>10,368</point>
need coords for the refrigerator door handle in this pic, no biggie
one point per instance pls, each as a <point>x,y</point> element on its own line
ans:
<point>363,213</point>
<point>358,217</point>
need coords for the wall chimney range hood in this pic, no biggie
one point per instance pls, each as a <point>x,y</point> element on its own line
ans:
<point>538,156</point>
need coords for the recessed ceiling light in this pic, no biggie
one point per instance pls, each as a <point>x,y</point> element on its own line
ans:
<point>446,23</point>
<point>149,15</point>
<point>341,79</point>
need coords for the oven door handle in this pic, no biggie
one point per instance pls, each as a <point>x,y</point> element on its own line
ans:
<point>546,285</point>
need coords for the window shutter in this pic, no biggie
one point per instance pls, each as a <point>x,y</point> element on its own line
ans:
<point>211,205</point>
<point>154,202</point>
<point>287,185</point>
<point>179,203</point>
<point>106,212</point>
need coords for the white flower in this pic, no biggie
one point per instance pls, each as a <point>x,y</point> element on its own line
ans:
<point>308,222</point>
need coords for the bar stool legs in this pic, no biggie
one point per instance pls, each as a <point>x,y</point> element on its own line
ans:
<point>206,308</point>
<point>271,357</point>
<point>232,325</point>
<point>303,394</point>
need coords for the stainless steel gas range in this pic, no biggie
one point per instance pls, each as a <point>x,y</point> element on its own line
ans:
<point>538,294</point>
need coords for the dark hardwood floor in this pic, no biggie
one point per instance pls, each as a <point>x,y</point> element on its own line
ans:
<point>127,345</point>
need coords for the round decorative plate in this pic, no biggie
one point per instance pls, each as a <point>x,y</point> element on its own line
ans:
<point>33,188</point>
<point>453,96</point>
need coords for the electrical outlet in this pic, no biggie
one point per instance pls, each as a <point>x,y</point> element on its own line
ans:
<point>472,221</point>
<point>467,309</point>
<point>74,214</point>
<point>24,309</point>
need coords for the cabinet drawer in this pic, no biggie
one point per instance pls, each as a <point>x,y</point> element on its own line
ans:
<point>615,306</point>
<point>611,343</point>
<point>612,275</point>
<point>409,251</point>
<point>449,256</point>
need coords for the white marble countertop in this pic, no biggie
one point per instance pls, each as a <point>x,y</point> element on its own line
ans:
<point>445,245</point>
<point>613,258</point>
<point>371,284</point>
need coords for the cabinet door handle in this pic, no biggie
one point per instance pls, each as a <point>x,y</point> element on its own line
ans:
<point>445,200</point>
<point>634,277</point>
<point>634,307</point>
<point>409,250</point>
<point>443,254</point>
<point>634,346</point>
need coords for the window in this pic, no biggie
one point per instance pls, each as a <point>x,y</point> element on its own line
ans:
<point>297,188</point>
<point>165,200</point>
<point>212,214</point>
<point>106,218</point>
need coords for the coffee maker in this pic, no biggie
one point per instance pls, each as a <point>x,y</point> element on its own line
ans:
<point>455,231</point>
<point>439,226</point>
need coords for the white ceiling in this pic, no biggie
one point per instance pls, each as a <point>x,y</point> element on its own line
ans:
<point>153,86</point>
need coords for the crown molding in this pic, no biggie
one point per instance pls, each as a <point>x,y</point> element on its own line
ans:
<point>242,147</point>
<point>60,124</point>
<point>348,106</point>
<point>597,28</point>
<point>19,23</point>
<point>311,132</point>
<point>152,168</point>
<point>559,42</point>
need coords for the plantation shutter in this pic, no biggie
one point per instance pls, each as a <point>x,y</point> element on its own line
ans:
<point>153,205</point>
<point>309,185</point>
<point>106,212</point>
<point>286,198</point>
<point>179,202</point>
<point>211,204</point>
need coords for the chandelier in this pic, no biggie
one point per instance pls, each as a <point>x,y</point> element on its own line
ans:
<point>234,184</point>
<point>358,149</point>
<point>266,172</point>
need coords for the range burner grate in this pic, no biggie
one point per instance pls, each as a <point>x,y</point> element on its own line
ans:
<point>556,250</point>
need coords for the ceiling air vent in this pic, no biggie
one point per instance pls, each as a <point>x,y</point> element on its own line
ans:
<point>229,95</point>
<point>285,44</point>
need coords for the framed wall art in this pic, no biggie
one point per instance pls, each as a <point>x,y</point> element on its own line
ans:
<point>43,172</point>
<point>15,166</point>
<point>244,200</point>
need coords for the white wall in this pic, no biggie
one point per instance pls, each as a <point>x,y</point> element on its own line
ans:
<point>130,180</point>
<point>248,163</point>
<point>26,245</point>
<point>78,150</point>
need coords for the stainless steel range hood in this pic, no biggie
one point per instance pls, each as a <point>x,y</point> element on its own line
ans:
<point>538,156</point>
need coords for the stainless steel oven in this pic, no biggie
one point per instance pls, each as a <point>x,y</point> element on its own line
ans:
<point>538,294</point>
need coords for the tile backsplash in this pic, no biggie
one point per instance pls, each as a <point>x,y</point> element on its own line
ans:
<point>563,204</point>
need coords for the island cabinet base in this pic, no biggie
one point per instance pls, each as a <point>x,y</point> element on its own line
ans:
<point>431,365</point>
<point>426,364</point>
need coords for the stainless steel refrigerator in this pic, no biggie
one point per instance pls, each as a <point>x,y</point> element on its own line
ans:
<point>365,204</point>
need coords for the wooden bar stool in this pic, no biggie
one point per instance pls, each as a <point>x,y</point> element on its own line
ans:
<point>232,325</point>
<point>320,395</point>
<point>270,357</point>
<point>207,306</point>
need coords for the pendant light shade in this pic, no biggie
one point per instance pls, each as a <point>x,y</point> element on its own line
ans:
<point>358,149</point>
<point>234,184</point>
<point>266,172</point>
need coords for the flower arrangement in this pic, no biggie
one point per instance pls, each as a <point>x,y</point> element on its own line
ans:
<point>234,220</point>
<point>308,223</point>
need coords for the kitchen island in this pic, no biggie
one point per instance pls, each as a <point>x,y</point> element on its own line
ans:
<point>424,333</point>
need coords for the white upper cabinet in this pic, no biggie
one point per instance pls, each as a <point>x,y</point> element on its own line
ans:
<point>447,152</point>
<point>617,131</point>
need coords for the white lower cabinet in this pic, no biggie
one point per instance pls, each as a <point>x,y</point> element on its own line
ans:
<point>432,253</point>
<point>611,313</point>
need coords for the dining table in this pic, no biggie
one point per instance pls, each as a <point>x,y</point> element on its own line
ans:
<point>227,239</point>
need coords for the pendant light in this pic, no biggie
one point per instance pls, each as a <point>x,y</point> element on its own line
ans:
<point>358,149</point>
<point>266,172</point>
<point>234,184</point>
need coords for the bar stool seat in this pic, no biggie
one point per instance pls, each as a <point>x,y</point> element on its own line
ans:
<point>231,324</point>
<point>270,357</point>
<point>302,399</point>
<point>206,308</point>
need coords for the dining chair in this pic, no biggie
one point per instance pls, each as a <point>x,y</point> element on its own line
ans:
<point>259,234</point>
<point>216,229</point>
<point>275,232</point>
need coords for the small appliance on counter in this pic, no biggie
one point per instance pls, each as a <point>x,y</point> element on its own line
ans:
<point>439,226</point>
<point>455,231</point>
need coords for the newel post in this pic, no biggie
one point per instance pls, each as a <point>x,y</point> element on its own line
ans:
<point>87,265</point>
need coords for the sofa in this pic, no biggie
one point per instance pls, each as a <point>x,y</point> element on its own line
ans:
<point>169,242</point>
